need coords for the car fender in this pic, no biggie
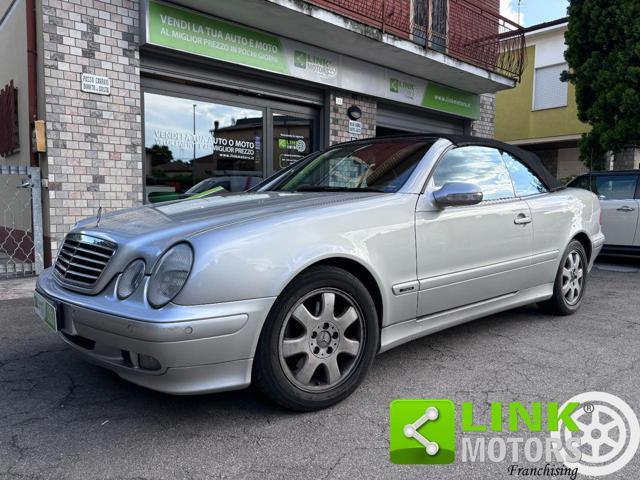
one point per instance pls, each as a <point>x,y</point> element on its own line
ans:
<point>258,259</point>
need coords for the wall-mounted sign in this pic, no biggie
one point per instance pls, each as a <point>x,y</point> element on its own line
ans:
<point>95,84</point>
<point>180,29</point>
<point>355,128</point>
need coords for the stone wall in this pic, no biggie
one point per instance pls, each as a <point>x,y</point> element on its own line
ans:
<point>94,156</point>
<point>339,121</point>
<point>627,159</point>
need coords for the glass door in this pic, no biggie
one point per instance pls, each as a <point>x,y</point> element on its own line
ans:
<point>293,138</point>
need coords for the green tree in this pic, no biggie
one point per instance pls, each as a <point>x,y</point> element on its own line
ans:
<point>603,54</point>
<point>159,154</point>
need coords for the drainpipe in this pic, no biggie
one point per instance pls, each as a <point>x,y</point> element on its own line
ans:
<point>32,69</point>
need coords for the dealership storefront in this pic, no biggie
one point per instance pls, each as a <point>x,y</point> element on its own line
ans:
<point>228,105</point>
<point>147,100</point>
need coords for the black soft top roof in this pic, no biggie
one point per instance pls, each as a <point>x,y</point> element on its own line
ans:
<point>528,158</point>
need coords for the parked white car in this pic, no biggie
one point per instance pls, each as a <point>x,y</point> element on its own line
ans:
<point>619,194</point>
<point>297,284</point>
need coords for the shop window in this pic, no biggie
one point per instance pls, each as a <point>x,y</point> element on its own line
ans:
<point>189,141</point>
<point>548,90</point>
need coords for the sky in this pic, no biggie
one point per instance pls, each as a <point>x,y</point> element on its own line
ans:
<point>533,12</point>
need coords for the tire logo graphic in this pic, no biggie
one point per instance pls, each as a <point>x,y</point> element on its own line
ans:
<point>609,433</point>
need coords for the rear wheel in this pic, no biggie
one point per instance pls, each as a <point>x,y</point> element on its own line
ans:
<point>570,283</point>
<point>318,341</point>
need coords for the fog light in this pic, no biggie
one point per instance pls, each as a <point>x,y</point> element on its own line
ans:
<point>147,362</point>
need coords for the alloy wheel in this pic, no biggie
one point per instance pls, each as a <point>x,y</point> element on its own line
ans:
<point>572,277</point>
<point>321,340</point>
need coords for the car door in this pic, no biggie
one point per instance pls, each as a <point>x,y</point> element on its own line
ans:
<point>619,207</point>
<point>551,215</point>
<point>466,254</point>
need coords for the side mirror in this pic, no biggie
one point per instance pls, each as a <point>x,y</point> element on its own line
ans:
<point>457,194</point>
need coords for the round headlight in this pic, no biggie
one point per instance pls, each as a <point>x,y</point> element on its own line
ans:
<point>170,275</point>
<point>130,279</point>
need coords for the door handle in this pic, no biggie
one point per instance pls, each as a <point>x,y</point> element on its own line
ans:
<point>522,219</point>
<point>625,208</point>
<point>26,183</point>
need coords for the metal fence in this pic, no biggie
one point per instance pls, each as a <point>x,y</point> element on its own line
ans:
<point>21,248</point>
<point>468,30</point>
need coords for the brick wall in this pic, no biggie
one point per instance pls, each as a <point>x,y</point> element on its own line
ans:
<point>470,26</point>
<point>396,17</point>
<point>94,155</point>
<point>485,125</point>
<point>339,121</point>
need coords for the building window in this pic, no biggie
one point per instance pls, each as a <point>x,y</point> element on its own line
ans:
<point>439,16</point>
<point>429,21</point>
<point>548,90</point>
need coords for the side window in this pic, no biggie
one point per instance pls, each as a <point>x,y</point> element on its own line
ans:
<point>525,182</point>
<point>482,166</point>
<point>616,187</point>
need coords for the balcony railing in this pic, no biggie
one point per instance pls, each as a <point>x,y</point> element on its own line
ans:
<point>463,29</point>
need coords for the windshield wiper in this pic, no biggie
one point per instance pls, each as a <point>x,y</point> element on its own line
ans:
<point>319,188</point>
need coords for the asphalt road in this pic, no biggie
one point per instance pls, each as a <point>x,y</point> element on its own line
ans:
<point>63,418</point>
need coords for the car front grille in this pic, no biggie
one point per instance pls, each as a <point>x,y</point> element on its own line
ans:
<point>82,259</point>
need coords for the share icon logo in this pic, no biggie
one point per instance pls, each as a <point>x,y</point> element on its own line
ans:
<point>422,431</point>
<point>410,430</point>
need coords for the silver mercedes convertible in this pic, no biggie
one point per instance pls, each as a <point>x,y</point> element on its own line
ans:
<point>297,284</point>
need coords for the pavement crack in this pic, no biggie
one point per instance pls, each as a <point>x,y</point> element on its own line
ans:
<point>32,356</point>
<point>336,463</point>
<point>70,391</point>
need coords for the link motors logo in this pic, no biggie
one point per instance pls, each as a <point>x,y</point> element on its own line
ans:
<point>592,434</point>
<point>322,66</point>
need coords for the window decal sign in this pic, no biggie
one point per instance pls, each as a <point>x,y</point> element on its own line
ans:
<point>181,29</point>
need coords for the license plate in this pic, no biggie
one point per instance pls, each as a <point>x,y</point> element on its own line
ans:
<point>46,310</point>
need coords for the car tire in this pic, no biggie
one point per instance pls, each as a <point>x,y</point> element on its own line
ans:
<point>570,283</point>
<point>294,343</point>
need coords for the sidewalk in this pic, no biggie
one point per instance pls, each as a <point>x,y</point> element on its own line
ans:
<point>17,288</point>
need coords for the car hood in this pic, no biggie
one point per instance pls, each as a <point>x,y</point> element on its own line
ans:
<point>192,216</point>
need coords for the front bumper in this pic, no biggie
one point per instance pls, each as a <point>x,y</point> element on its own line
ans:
<point>197,349</point>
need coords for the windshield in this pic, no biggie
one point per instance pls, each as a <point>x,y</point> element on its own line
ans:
<point>381,166</point>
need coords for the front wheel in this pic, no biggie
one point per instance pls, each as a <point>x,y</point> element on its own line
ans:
<point>318,341</point>
<point>570,283</point>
